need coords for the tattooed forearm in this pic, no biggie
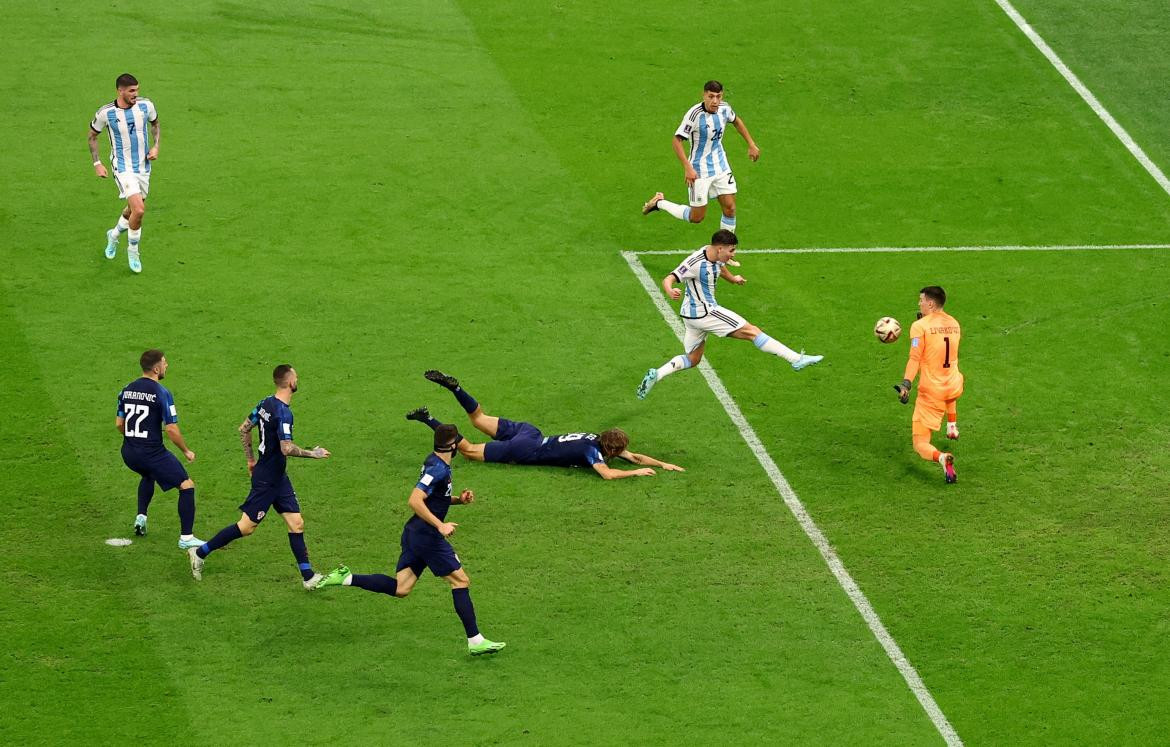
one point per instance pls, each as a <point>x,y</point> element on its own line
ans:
<point>288,448</point>
<point>246,439</point>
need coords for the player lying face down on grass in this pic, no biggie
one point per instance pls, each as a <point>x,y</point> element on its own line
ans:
<point>517,442</point>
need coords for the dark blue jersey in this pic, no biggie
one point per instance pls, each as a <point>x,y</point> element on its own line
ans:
<point>274,420</point>
<point>146,407</point>
<point>435,481</point>
<point>567,450</point>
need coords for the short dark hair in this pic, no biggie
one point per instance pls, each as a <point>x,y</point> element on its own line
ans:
<point>936,294</point>
<point>724,237</point>
<point>150,359</point>
<point>445,435</point>
<point>713,85</point>
<point>613,442</point>
<point>125,80</point>
<point>280,374</point>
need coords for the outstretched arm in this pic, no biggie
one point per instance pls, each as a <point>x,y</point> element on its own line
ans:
<point>609,473</point>
<point>726,275</point>
<point>288,448</point>
<point>648,461</point>
<point>753,149</point>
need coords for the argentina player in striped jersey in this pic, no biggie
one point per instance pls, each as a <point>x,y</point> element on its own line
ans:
<point>705,169</point>
<point>517,442</point>
<point>126,119</point>
<point>702,314</point>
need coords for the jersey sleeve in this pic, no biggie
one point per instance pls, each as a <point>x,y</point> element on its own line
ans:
<point>170,414</point>
<point>254,416</point>
<point>430,478</point>
<point>730,112</point>
<point>593,456</point>
<point>686,127</point>
<point>151,112</point>
<point>99,123</point>
<point>686,270</point>
<point>121,410</point>
<point>284,424</point>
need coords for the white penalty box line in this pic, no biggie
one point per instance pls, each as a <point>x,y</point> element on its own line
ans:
<point>918,249</point>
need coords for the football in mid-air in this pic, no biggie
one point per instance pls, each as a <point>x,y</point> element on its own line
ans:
<point>887,329</point>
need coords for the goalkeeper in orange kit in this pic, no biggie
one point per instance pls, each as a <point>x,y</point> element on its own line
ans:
<point>934,359</point>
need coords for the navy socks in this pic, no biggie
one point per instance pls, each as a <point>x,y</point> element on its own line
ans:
<point>465,400</point>
<point>186,510</point>
<point>225,535</point>
<point>297,542</point>
<point>145,493</point>
<point>378,582</point>
<point>465,610</point>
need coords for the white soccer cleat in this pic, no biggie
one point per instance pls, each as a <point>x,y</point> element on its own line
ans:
<point>112,243</point>
<point>804,361</point>
<point>188,544</point>
<point>135,260</point>
<point>953,431</point>
<point>311,583</point>
<point>196,564</point>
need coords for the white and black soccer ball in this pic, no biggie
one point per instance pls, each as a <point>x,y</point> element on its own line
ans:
<point>887,329</point>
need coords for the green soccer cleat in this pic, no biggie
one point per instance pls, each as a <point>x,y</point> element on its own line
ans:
<point>140,525</point>
<point>111,243</point>
<point>648,382</point>
<point>188,544</point>
<point>487,647</point>
<point>336,577</point>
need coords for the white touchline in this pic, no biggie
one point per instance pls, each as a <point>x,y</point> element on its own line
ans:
<point>905,668</point>
<point>1087,95</point>
<point>896,249</point>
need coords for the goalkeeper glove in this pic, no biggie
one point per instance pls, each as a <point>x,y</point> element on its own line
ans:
<point>903,391</point>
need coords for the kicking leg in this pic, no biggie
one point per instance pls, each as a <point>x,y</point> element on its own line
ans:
<point>487,424</point>
<point>766,344</point>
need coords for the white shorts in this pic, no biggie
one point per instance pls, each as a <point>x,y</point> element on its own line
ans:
<point>712,186</point>
<point>130,183</point>
<point>719,321</point>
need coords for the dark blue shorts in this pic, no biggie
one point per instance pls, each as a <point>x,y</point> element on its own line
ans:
<point>158,464</point>
<point>515,441</point>
<point>426,548</point>
<point>280,496</point>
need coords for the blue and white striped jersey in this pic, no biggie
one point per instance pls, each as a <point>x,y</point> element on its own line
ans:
<point>699,275</point>
<point>127,129</point>
<point>705,131</point>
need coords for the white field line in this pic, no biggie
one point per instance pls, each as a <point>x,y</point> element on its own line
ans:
<point>1087,95</point>
<point>897,249</point>
<point>905,668</point>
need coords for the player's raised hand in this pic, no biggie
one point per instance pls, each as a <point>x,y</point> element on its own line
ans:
<point>754,152</point>
<point>447,528</point>
<point>466,497</point>
<point>319,452</point>
<point>672,467</point>
<point>190,455</point>
<point>675,294</point>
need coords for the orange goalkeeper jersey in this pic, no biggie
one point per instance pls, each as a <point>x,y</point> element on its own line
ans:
<point>934,356</point>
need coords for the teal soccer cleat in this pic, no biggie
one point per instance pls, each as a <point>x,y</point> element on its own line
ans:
<point>188,544</point>
<point>135,261</point>
<point>140,525</point>
<point>111,243</point>
<point>648,382</point>
<point>804,361</point>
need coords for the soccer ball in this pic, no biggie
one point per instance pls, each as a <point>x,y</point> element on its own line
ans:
<point>887,329</point>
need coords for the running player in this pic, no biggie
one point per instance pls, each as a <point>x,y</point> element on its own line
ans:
<point>126,118</point>
<point>516,442</point>
<point>424,543</point>
<point>145,410</point>
<point>270,484</point>
<point>705,169</point>
<point>934,358</point>
<point>702,315</point>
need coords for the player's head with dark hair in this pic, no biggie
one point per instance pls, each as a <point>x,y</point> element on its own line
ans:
<point>125,80</point>
<point>613,442</point>
<point>712,96</point>
<point>936,294</point>
<point>713,86</point>
<point>723,237</point>
<point>153,360</point>
<point>447,439</point>
<point>285,376</point>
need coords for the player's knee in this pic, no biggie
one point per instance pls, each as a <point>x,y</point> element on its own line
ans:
<point>403,588</point>
<point>296,524</point>
<point>697,216</point>
<point>138,210</point>
<point>729,211</point>
<point>247,526</point>
<point>187,484</point>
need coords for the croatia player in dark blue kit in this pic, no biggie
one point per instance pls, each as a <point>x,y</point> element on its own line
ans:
<point>271,487</point>
<point>424,543</point>
<point>145,410</point>
<point>517,442</point>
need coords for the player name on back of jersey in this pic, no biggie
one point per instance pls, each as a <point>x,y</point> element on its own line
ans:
<point>147,396</point>
<point>263,414</point>
<point>944,330</point>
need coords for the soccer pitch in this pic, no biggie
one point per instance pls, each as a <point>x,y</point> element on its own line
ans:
<point>368,191</point>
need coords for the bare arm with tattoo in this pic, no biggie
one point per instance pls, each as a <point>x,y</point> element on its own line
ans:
<point>154,132</point>
<point>98,166</point>
<point>288,448</point>
<point>246,441</point>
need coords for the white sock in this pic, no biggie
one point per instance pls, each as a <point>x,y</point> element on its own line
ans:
<point>140,516</point>
<point>942,459</point>
<point>682,212</point>
<point>475,640</point>
<point>186,536</point>
<point>123,225</point>
<point>348,580</point>
<point>727,223</point>
<point>135,235</point>
<point>775,347</point>
<point>677,363</point>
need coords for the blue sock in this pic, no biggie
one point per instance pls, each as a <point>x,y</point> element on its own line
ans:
<point>726,223</point>
<point>187,511</point>
<point>466,400</point>
<point>378,582</point>
<point>225,535</point>
<point>433,423</point>
<point>296,540</point>
<point>465,609</point>
<point>145,493</point>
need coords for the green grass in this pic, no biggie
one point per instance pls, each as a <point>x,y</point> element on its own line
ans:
<point>370,191</point>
